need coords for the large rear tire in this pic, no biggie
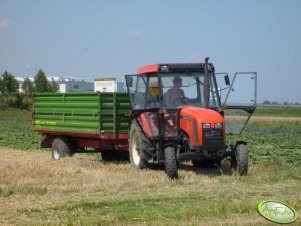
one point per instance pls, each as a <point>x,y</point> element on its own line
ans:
<point>241,159</point>
<point>139,147</point>
<point>61,148</point>
<point>171,163</point>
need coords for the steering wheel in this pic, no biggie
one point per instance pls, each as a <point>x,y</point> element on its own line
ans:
<point>180,101</point>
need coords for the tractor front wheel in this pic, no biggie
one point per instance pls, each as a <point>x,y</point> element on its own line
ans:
<point>171,163</point>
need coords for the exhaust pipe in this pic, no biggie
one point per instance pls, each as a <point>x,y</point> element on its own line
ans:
<point>206,84</point>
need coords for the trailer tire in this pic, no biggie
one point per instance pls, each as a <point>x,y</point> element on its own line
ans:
<point>139,147</point>
<point>171,163</point>
<point>241,159</point>
<point>61,148</point>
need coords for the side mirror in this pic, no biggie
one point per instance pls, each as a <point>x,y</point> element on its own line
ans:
<point>227,80</point>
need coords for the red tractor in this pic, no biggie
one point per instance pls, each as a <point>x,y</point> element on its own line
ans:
<point>178,115</point>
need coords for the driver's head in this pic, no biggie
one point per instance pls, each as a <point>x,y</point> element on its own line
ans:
<point>177,81</point>
<point>154,89</point>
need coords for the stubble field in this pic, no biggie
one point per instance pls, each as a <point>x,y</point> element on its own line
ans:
<point>83,190</point>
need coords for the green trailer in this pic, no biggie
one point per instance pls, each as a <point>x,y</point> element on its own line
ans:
<point>82,122</point>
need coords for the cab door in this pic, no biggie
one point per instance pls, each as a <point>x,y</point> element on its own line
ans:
<point>146,108</point>
<point>240,101</point>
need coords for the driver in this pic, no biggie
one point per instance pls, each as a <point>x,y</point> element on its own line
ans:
<point>175,96</point>
<point>153,96</point>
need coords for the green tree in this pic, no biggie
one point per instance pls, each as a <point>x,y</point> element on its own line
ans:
<point>266,102</point>
<point>28,87</point>
<point>8,88</point>
<point>41,82</point>
<point>10,85</point>
<point>1,93</point>
<point>1,86</point>
<point>52,86</point>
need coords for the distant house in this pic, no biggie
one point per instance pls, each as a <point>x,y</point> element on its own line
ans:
<point>65,84</point>
<point>108,85</point>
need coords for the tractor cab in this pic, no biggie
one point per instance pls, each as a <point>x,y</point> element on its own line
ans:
<point>178,114</point>
<point>170,86</point>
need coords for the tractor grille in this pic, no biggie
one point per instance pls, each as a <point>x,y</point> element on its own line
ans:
<point>213,138</point>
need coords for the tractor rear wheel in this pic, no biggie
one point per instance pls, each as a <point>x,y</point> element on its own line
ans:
<point>171,163</point>
<point>61,148</point>
<point>139,147</point>
<point>241,159</point>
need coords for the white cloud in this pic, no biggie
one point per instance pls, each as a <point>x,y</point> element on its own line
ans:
<point>135,33</point>
<point>4,23</point>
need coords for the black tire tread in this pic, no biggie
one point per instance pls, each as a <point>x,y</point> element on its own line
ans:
<point>65,147</point>
<point>171,164</point>
<point>144,145</point>
<point>242,159</point>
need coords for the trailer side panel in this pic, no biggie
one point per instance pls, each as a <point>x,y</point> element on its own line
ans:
<point>83,113</point>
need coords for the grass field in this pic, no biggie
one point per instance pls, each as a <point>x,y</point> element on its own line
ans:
<point>35,190</point>
<point>294,111</point>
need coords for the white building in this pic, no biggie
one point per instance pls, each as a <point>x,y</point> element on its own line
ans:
<point>108,85</point>
<point>72,84</point>
<point>67,85</point>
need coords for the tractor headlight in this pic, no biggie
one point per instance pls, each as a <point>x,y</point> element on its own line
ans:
<point>206,126</point>
<point>218,125</point>
<point>164,68</point>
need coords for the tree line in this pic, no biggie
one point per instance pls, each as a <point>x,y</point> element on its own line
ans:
<point>10,97</point>
<point>267,102</point>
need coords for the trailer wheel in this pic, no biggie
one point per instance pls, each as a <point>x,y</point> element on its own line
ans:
<point>138,147</point>
<point>241,159</point>
<point>171,163</point>
<point>61,148</point>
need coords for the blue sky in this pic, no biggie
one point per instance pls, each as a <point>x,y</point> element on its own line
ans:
<point>90,39</point>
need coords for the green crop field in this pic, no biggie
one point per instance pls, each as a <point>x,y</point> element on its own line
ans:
<point>294,111</point>
<point>273,135</point>
<point>268,142</point>
<point>15,130</point>
<point>82,190</point>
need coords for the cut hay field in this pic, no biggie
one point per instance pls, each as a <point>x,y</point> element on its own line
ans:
<point>83,190</point>
<point>34,190</point>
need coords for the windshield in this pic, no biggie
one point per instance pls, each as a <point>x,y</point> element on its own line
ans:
<point>171,90</point>
<point>187,89</point>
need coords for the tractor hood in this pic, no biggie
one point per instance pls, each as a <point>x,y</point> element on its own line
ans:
<point>196,121</point>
